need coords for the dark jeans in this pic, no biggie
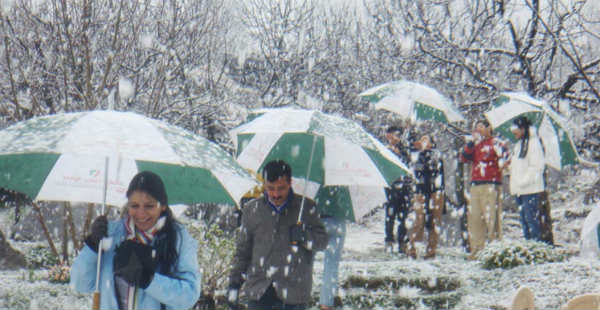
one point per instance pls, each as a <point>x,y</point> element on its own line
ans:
<point>270,301</point>
<point>530,215</point>
<point>397,208</point>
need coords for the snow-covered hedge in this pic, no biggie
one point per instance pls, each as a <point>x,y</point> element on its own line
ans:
<point>40,256</point>
<point>511,253</point>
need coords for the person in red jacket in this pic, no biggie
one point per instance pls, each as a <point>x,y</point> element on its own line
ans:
<point>487,156</point>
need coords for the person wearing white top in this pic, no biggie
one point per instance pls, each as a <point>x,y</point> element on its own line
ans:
<point>527,176</point>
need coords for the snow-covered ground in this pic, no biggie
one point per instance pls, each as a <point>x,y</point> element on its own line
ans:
<point>391,279</point>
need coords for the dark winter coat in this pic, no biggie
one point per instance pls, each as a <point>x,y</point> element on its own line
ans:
<point>429,172</point>
<point>400,191</point>
<point>265,255</point>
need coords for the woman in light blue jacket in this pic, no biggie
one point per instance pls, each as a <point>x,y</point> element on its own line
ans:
<point>149,260</point>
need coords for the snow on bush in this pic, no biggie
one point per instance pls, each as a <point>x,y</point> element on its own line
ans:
<point>40,256</point>
<point>215,253</point>
<point>510,253</point>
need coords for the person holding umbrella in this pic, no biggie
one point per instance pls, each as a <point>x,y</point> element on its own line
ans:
<point>274,254</point>
<point>428,200</point>
<point>527,176</point>
<point>150,260</point>
<point>488,156</point>
<point>399,194</point>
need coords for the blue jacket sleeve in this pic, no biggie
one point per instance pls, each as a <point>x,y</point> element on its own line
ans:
<point>83,271</point>
<point>183,290</point>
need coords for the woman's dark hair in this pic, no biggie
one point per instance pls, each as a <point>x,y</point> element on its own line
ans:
<point>523,123</point>
<point>275,169</point>
<point>166,239</point>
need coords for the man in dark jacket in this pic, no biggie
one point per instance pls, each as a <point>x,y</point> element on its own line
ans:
<point>399,194</point>
<point>274,254</point>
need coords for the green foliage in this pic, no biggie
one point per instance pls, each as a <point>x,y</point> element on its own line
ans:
<point>215,253</point>
<point>59,274</point>
<point>40,256</point>
<point>29,276</point>
<point>14,301</point>
<point>511,253</point>
<point>383,299</point>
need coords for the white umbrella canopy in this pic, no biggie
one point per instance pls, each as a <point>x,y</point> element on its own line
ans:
<point>323,150</point>
<point>559,149</point>
<point>344,153</point>
<point>413,101</point>
<point>349,202</point>
<point>92,156</point>
<point>63,157</point>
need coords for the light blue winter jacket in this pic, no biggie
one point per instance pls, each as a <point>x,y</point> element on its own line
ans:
<point>175,293</point>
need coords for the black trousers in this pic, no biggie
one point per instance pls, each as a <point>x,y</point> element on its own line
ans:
<point>270,301</point>
<point>397,208</point>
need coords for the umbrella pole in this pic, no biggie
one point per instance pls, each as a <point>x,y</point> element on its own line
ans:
<point>310,159</point>
<point>105,187</point>
<point>96,296</point>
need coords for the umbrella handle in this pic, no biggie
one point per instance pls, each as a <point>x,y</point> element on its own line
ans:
<point>96,301</point>
<point>294,242</point>
<point>96,296</point>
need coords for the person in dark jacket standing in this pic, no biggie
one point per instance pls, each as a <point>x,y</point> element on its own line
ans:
<point>399,194</point>
<point>428,201</point>
<point>273,260</point>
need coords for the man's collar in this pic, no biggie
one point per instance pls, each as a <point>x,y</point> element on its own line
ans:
<point>279,209</point>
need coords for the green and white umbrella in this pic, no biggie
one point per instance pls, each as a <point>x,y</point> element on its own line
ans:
<point>343,153</point>
<point>559,149</point>
<point>413,101</point>
<point>349,202</point>
<point>63,158</point>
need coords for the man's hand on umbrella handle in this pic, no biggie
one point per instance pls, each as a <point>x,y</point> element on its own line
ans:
<point>99,230</point>
<point>297,233</point>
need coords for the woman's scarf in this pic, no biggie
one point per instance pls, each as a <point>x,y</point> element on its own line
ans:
<point>144,237</point>
<point>128,293</point>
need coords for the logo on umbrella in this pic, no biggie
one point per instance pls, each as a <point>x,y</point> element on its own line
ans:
<point>94,173</point>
